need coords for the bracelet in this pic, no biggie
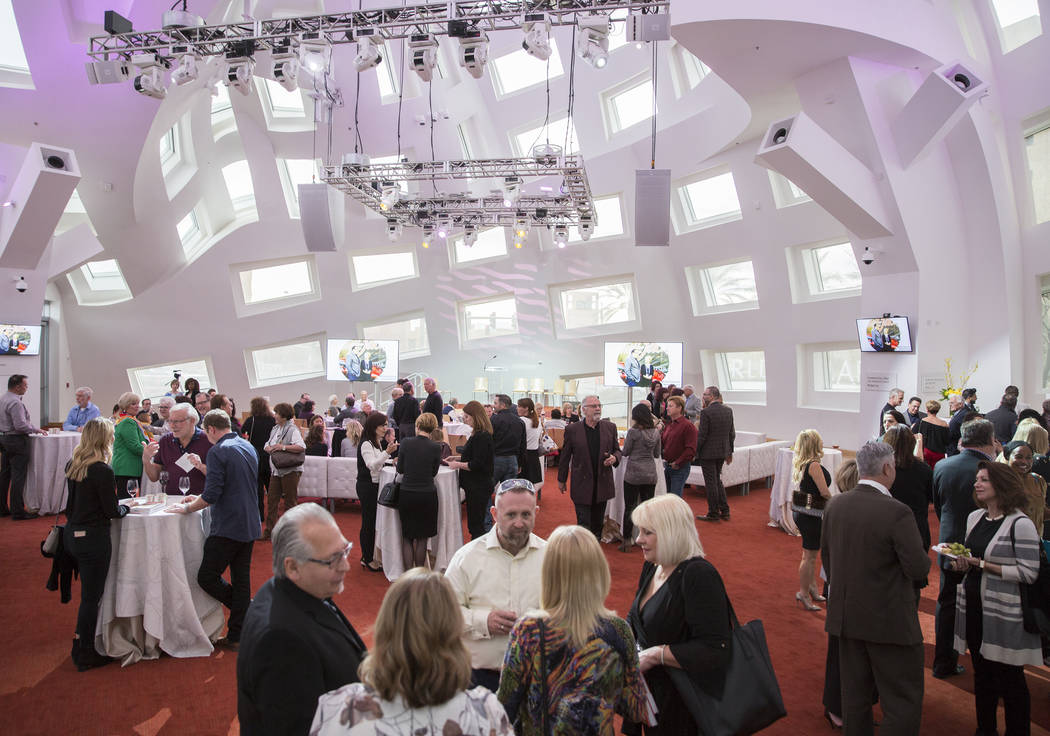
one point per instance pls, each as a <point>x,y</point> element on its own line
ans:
<point>982,564</point>
<point>662,647</point>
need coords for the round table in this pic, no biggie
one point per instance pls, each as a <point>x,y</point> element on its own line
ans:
<point>450,527</point>
<point>780,496</point>
<point>45,490</point>
<point>152,602</point>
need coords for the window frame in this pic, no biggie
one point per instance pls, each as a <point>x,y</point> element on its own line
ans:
<point>497,81</point>
<point>810,396</point>
<point>290,187</point>
<point>463,305</point>
<point>454,239</point>
<point>556,294</point>
<point>206,381</point>
<point>610,115</point>
<point>243,203</point>
<point>574,232</point>
<point>1011,40</point>
<point>403,354</point>
<point>536,127</point>
<point>802,273</point>
<point>715,364</point>
<point>1039,125</point>
<point>255,382</point>
<point>88,294</point>
<point>357,285</point>
<point>681,205</point>
<point>701,289</point>
<point>246,309</point>
<point>783,194</point>
<point>684,69</point>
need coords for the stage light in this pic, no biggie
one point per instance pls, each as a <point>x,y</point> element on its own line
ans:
<point>561,236</point>
<point>444,228</point>
<point>391,196</point>
<point>522,226</point>
<point>286,67</point>
<point>586,227</point>
<point>393,230</point>
<point>428,235</point>
<point>150,80</point>
<point>424,50</point>
<point>474,52</point>
<point>239,70</point>
<point>187,69</point>
<point>470,235</point>
<point>315,53</point>
<point>592,43</point>
<point>368,47</point>
<point>537,29</point>
<point>511,191</point>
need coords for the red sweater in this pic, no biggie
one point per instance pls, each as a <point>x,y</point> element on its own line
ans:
<point>679,441</point>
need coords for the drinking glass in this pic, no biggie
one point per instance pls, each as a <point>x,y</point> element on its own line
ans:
<point>164,481</point>
<point>184,485</point>
<point>133,488</point>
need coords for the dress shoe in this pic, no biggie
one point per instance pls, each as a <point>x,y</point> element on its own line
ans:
<point>833,720</point>
<point>5,512</point>
<point>725,516</point>
<point>805,602</point>
<point>225,643</point>
<point>372,566</point>
<point>22,517</point>
<point>956,670</point>
<point>709,517</point>
<point>90,659</point>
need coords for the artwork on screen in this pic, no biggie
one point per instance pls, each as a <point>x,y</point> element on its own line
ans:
<point>20,339</point>
<point>362,360</point>
<point>884,335</point>
<point>641,363</point>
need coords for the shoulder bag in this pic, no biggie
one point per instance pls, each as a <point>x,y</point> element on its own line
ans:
<point>283,459</point>
<point>389,493</point>
<point>1035,597</point>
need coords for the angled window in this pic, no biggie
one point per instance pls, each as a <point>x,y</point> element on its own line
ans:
<point>265,286</point>
<point>238,177</point>
<point>833,268</point>
<point>726,287</point>
<point>410,331</point>
<point>1045,313</point>
<point>282,103</point>
<point>829,376</point>
<point>628,103</point>
<point>741,371</point>
<point>493,316</point>
<point>368,270</point>
<point>1018,22</point>
<point>524,140</point>
<point>490,245</point>
<point>98,283</point>
<point>177,161</point>
<point>222,118</point>
<point>705,200</point>
<point>1037,156</point>
<point>189,232</point>
<point>293,172</point>
<point>465,144</point>
<point>596,306</point>
<point>609,211</point>
<point>387,75</point>
<point>785,193</point>
<point>687,70</point>
<point>836,370</point>
<point>169,150</point>
<point>153,381</point>
<point>14,67</point>
<point>520,70</point>
<point>103,275</point>
<point>284,362</point>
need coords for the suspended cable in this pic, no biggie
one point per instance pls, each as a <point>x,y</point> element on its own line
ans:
<point>652,163</point>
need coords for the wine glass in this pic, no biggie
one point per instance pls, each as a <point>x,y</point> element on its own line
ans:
<point>184,485</point>
<point>164,481</point>
<point>133,488</point>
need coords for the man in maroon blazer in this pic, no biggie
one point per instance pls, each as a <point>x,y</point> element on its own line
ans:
<point>590,451</point>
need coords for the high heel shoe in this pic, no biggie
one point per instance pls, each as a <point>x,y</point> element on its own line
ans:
<point>808,605</point>
<point>816,597</point>
<point>831,720</point>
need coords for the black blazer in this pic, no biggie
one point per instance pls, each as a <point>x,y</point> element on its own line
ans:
<point>293,650</point>
<point>914,488</point>
<point>953,493</point>
<point>479,454</point>
<point>716,434</point>
<point>418,461</point>
<point>433,405</point>
<point>406,411</point>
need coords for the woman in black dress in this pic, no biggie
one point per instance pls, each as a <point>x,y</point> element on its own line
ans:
<point>91,503</point>
<point>813,482</point>
<point>475,466</point>
<point>418,461</point>
<point>376,446</point>
<point>934,432</point>
<point>256,429</point>
<point>680,614</point>
<point>406,411</point>
<point>913,485</point>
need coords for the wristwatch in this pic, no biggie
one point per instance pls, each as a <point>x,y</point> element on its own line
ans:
<point>982,564</point>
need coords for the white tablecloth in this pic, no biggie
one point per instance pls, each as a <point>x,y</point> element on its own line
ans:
<point>614,509</point>
<point>46,481</point>
<point>780,495</point>
<point>450,528</point>
<point>458,428</point>
<point>152,602</point>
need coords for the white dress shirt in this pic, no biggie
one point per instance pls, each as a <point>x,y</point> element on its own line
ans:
<point>486,577</point>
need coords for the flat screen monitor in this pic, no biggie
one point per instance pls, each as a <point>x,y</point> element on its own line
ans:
<point>20,339</point>
<point>884,335</point>
<point>362,360</point>
<point>641,363</point>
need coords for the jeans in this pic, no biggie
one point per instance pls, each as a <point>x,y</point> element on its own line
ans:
<point>504,467</point>
<point>676,478</point>
<point>368,495</point>
<point>220,553</point>
<point>632,495</point>
<point>92,552</point>
<point>717,502</point>
<point>592,516</point>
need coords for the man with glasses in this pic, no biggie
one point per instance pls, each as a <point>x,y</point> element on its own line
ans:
<point>164,454</point>
<point>230,492</point>
<point>296,644</point>
<point>83,412</point>
<point>497,579</point>
<point>590,451</point>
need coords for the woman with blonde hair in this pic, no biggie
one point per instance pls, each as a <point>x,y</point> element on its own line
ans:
<point>90,504</point>
<point>680,615</point>
<point>1030,431</point>
<point>127,444</point>
<point>812,482</point>
<point>418,462</point>
<point>475,466</point>
<point>354,430</point>
<point>573,665</point>
<point>414,680</point>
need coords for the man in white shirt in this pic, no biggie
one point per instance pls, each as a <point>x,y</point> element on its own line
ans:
<point>497,579</point>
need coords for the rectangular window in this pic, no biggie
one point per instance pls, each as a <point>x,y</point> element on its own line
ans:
<point>785,193</point>
<point>741,371</point>
<point>520,70</point>
<point>291,361</point>
<point>295,171</point>
<point>378,269</point>
<point>706,200</point>
<point>104,275</point>
<point>410,331</point>
<point>1018,22</point>
<point>609,212</point>
<point>189,232</point>
<point>491,244</point>
<point>833,268</point>
<point>153,381</point>
<point>688,70</point>
<point>387,76</point>
<point>238,178</point>
<point>284,104</point>
<point>609,302</point>
<point>628,104</point>
<point>1045,302</point>
<point>489,317</point>
<point>524,141</point>
<point>220,101</point>
<point>464,141</point>
<point>265,286</point>
<point>1037,156</point>
<point>168,149</point>
<point>728,287</point>
<point>836,370</point>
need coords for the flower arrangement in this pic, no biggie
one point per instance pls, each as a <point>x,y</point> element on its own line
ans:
<point>950,385</point>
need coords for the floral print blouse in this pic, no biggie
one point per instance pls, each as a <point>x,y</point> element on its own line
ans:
<point>357,710</point>
<point>585,687</point>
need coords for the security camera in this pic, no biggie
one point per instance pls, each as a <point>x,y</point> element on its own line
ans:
<point>21,285</point>
<point>868,257</point>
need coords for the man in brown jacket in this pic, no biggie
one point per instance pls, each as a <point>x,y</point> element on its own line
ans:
<point>873,556</point>
<point>591,451</point>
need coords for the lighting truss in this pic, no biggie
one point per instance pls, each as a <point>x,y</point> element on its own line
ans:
<point>564,206</point>
<point>450,18</point>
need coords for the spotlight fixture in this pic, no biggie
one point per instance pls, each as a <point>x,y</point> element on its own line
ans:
<point>586,227</point>
<point>474,52</point>
<point>428,235</point>
<point>592,43</point>
<point>868,257</point>
<point>561,236</point>
<point>780,136</point>
<point>239,70</point>
<point>315,53</point>
<point>393,230</point>
<point>537,29</point>
<point>444,228</point>
<point>188,69</point>
<point>424,50</point>
<point>522,226</point>
<point>368,46</point>
<point>286,68</point>
<point>391,196</point>
<point>150,80</point>
<point>470,235</point>
<point>511,191</point>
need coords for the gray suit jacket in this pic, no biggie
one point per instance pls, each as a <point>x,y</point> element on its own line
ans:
<point>716,434</point>
<point>873,555</point>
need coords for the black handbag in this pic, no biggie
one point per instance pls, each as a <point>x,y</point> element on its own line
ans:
<point>751,699</point>
<point>389,493</point>
<point>1035,596</point>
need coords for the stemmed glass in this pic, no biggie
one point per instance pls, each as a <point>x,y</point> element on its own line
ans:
<point>184,485</point>
<point>133,488</point>
<point>164,481</point>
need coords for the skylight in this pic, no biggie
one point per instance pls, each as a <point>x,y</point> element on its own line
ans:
<point>524,141</point>
<point>168,148</point>
<point>1037,155</point>
<point>520,70</point>
<point>491,243</point>
<point>728,287</point>
<point>12,54</point>
<point>284,104</point>
<point>281,281</point>
<point>386,73</point>
<point>410,331</point>
<point>628,105</point>
<point>689,70</point>
<point>488,318</point>
<point>1019,22</point>
<point>188,228</point>
<point>785,193</point>
<point>709,200</point>
<point>610,220</point>
<point>220,101</point>
<point>104,274</point>
<point>377,269</point>
<point>238,177</point>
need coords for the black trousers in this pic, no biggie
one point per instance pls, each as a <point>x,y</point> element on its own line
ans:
<point>92,552</point>
<point>717,501</point>
<point>221,553</point>
<point>945,657</point>
<point>477,509</point>
<point>368,495</point>
<point>592,516</point>
<point>993,681</point>
<point>633,495</point>
<point>14,466</point>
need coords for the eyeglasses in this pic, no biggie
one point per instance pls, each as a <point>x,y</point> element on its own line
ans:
<point>592,406</point>
<point>334,560</point>
<point>178,421</point>
<point>515,484</point>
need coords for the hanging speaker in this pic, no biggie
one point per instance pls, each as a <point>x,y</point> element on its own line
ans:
<point>652,207</point>
<point>940,102</point>
<point>809,157</point>
<point>38,196</point>
<point>322,210</point>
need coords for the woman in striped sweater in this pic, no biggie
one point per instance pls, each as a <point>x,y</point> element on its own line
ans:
<point>1004,552</point>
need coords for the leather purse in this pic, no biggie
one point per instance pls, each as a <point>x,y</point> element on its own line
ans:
<point>808,500</point>
<point>283,459</point>
<point>389,493</point>
<point>49,546</point>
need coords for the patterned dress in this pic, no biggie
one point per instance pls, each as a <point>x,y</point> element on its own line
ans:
<point>585,687</point>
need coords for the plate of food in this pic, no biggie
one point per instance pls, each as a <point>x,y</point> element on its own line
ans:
<point>953,550</point>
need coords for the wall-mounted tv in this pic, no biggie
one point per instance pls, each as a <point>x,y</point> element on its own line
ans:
<point>19,340</point>
<point>641,363</point>
<point>884,335</point>
<point>362,360</point>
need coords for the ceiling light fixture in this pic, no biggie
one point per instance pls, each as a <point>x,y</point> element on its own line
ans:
<point>391,196</point>
<point>150,80</point>
<point>424,49</point>
<point>393,230</point>
<point>188,67</point>
<point>592,43</point>
<point>537,29</point>
<point>428,235</point>
<point>239,70</point>
<point>511,191</point>
<point>444,228</point>
<point>522,226</point>
<point>474,52</point>
<point>286,67</point>
<point>368,46</point>
<point>470,235</point>
<point>586,227</point>
<point>561,236</point>
<point>315,53</point>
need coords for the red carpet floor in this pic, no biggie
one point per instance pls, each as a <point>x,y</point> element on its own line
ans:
<point>42,693</point>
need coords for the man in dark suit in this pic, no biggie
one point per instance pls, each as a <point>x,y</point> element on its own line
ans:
<point>1004,419</point>
<point>296,644</point>
<point>961,407</point>
<point>590,451</point>
<point>914,413</point>
<point>433,404</point>
<point>873,556</point>
<point>953,501</point>
<point>714,446</point>
<point>896,398</point>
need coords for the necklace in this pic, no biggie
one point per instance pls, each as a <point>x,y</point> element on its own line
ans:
<point>994,518</point>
